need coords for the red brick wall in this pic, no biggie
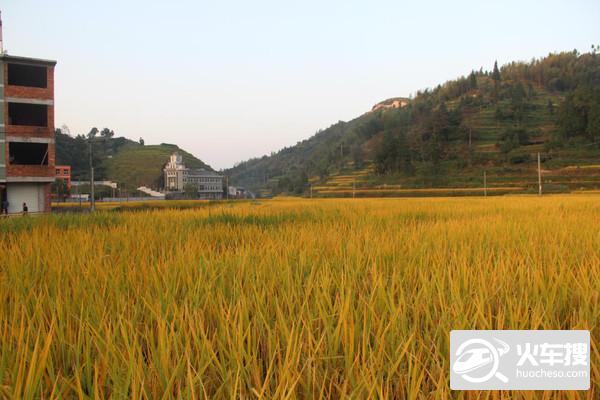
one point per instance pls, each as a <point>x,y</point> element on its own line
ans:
<point>31,92</point>
<point>47,197</point>
<point>31,170</point>
<point>64,173</point>
<point>31,131</point>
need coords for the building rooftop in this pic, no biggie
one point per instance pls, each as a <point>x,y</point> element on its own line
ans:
<point>202,171</point>
<point>26,60</point>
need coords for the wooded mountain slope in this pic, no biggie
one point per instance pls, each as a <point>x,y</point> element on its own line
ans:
<point>494,121</point>
<point>129,163</point>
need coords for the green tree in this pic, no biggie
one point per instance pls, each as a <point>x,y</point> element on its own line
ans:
<point>394,154</point>
<point>107,133</point>
<point>496,73</point>
<point>513,138</point>
<point>404,154</point>
<point>518,94</point>
<point>300,182</point>
<point>285,184</point>
<point>190,191</point>
<point>440,123</point>
<point>358,156</point>
<point>593,125</point>
<point>496,77</point>
<point>387,154</point>
<point>92,133</point>
<point>467,133</point>
<point>572,114</point>
<point>473,80</point>
<point>518,101</point>
<point>60,189</point>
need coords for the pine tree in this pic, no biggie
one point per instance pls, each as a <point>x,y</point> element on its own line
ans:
<point>496,78</point>
<point>496,73</point>
<point>473,80</point>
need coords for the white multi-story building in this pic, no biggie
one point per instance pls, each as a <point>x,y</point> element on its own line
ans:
<point>177,176</point>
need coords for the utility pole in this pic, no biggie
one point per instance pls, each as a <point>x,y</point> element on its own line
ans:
<point>1,42</point>
<point>79,194</point>
<point>92,194</point>
<point>227,187</point>
<point>539,176</point>
<point>484,183</point>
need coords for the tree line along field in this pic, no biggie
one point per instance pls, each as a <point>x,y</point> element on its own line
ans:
<point>287,298</point>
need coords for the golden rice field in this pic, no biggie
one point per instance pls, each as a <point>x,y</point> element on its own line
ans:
<point>288,298</point>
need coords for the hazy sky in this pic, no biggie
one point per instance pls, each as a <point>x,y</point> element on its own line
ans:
<point>230,80</point>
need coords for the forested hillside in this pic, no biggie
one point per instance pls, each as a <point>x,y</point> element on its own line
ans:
<point>446,137</point>
<point>131,164</point>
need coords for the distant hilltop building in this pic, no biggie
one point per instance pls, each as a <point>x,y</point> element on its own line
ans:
<point>396,102</point>
<point>177,176</point>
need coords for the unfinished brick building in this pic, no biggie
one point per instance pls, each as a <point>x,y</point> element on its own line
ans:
<point>26,132</point>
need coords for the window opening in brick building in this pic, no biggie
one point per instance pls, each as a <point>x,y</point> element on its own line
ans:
<point>27,114</point>
<point>21,153</point>
<point>27,75</point>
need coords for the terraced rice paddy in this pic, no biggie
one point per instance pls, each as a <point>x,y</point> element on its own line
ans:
<point>521,179</point>
<point>287,298</point>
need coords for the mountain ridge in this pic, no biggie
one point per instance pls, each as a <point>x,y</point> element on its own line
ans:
<point>129,163</point>
<point>447,136</point>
